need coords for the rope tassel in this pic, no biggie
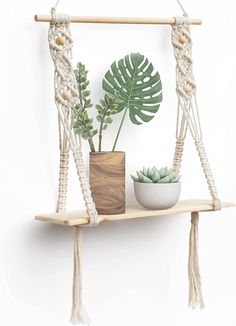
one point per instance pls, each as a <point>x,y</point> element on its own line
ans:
<point>78,313</point>
<point>195,291</point>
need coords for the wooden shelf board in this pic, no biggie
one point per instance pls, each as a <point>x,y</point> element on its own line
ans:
<point>80,217</point>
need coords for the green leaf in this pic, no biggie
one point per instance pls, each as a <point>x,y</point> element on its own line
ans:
<point>94,132</point>
<point>85,135</point>
<point>83,79</point>
<point>99,118</point>
<point>107,100</point>
<point>86,93</point>
<point>78,106</point>
<point>156,176</point>
<point>78,123</point>
<point>102,103</point>
<point>176,179</point>
<point>144,171</point>
<point>86,83</point>
<point>108,120</point>
<point>98,107</point>
<point>104,127</point>
<point>164,180</point>
<point>135,178</point>
<point>140,176</point>
<point>140,91</point>
<point>146,179</point>
<point>162,172</point>
<point>150,173</point>
<point>172,175</point>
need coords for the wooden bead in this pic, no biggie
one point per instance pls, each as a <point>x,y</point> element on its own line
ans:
<point>182,39</point>
<point>66,95</point>
<point>60,40</point>
<point>187,88</point>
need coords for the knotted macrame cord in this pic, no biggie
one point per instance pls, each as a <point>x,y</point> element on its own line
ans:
<point>188,118</point>
<point>66,97</point>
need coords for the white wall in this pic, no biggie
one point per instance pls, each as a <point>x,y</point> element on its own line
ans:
<point>135,272</point>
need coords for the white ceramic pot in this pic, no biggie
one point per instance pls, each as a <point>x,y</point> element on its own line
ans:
<point>157,195</point>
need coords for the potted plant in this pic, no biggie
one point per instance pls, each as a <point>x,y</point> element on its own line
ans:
<point>157,189</point>
<point>131,89</point>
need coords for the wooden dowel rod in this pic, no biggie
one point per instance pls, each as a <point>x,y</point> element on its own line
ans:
<point>116,20</point>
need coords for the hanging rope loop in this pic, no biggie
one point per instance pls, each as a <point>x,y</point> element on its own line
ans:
<point>66,97</point>
<point>183,20</point>
<point>59,19</point>
<point>188,114</point>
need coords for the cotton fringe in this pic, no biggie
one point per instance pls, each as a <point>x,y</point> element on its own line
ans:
<point>78,313</point>
<point>195,291</point>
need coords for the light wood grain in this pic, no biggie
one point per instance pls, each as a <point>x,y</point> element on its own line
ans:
<point>116,20</point>
<point>107,181</point>
<point>80,217</point>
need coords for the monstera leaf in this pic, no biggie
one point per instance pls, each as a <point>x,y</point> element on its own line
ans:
<point>140,90</point>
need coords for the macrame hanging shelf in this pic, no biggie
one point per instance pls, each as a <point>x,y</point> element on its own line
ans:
<point>66,96</point>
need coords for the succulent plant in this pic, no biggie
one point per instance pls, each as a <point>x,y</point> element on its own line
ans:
<point>153,175</point>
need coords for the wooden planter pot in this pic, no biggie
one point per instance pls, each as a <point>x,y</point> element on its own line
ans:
<point>107,181</point>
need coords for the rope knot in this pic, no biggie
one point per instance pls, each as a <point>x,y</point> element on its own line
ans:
<point>182,20</point>
<point>194,218</point>
<point>216,204</point>
<point>59,19</point>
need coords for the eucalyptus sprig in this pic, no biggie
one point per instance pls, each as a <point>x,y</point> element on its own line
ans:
<point>83,125</point>
<point>106,108</point>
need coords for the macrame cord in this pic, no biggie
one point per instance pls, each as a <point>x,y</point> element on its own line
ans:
<point>188,115</point>
<point>195,287</point>
<point>66,97</point>
<point>78,312</point>
<point>188,118</point>
<point>63,169</point>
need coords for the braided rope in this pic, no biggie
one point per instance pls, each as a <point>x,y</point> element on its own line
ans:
<point>78,312</point>
<point>195,287</point>
<point>179,147</point>
<point>63,177</point>
<point>66,96</point>
<point>63,170</point>
<point>187,102</point>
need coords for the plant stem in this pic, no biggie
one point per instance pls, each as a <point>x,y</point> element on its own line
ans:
<point>100,133</point>
<point>100,143</point>
<point>91,144</point>
<point>118,133</point>
<point>100,138</point>
<point>80,95</point>
<point>90,140</point>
